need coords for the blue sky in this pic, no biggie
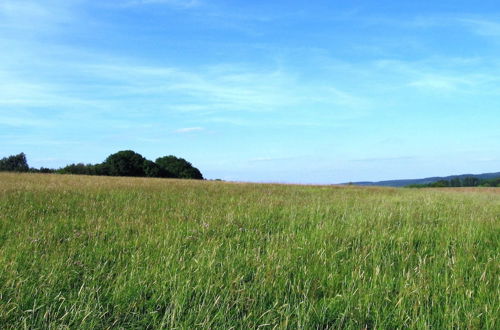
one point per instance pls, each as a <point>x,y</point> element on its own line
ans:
<point>265,91</point>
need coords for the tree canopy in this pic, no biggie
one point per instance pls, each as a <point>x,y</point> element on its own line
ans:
<point>153,170</point>
<point>125,163</point>
<point>457,182</point>
<point>15,163</point>
<point>179,167</point>
<point>121,163</point>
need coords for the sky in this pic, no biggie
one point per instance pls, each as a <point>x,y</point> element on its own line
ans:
<point>261,91</point>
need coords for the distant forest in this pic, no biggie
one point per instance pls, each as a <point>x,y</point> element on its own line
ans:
<point>459,182</point>
<point>122,163</point>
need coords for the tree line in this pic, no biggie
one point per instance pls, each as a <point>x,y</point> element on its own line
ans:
<point>458,182</point>
<point>122,163</point>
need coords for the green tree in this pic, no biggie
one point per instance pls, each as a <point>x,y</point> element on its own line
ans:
<point>440,184</point>
<point>45,170</point>
<point>153,170</point>
<point>101,169</point>
<point>470,181</point>
<point>80,168</point>
<point>15,163</point>
<point>179,168</point>
<point>125,163</point>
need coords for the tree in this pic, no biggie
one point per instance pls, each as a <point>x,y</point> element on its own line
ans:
<point>179,168</point>
<point>153,170</point>
<point>122,163</point>
<point>125,163</point>
<point>16,163</point>
<point>101,169</point>
<point>80,168</point>
<point>45,170</point>
<point>455,182</point>
<point>470,181</point>
<point>440,184</point>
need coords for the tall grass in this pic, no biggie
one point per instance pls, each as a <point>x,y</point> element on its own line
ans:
<point>97,252</point>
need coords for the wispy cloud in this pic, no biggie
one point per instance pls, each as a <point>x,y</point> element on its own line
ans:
<point>486,26</point>
<point>384,159</point>
<point>482,27</point>
<point>104,82</point>
<point>9,8</point>
<point>441,82</point>
<point>487,160</point>
<point>23,121</point>
<point>441,74</point>
<point>273,159</point>
<point>36,17</point>
<point>347,100</point>
<point>188,130</point>
<point>173,3</point>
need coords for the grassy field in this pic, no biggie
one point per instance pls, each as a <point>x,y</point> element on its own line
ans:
<point>101,252</point>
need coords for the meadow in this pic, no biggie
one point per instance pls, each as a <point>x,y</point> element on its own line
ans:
<point>108,252</point>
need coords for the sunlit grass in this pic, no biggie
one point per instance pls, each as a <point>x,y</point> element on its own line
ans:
<point>87,252</point>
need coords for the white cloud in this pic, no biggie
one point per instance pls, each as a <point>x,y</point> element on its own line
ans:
<point>481,26</point>
<point>272,159</point>
<point>189,130</point>
<point>383,159</point>
<point>64,78</point>
<point>442,74</point>
<point>35,17</point>
<point>29,9</point>
<point>74,79</point>
<point>173,3</point>
<point>23,121</point>
<point>347,99</point>
<point>437,82</point>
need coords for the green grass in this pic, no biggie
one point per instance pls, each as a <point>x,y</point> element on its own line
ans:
<point>101,252</point>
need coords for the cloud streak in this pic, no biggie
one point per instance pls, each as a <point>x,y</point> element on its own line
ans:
<point>384,159</point>
<point>272,159</point>
<point>188,130</point>
<point>173,3</point>
<point>33,18</point>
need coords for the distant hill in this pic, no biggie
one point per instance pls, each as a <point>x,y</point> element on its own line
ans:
<point>402,183</point>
